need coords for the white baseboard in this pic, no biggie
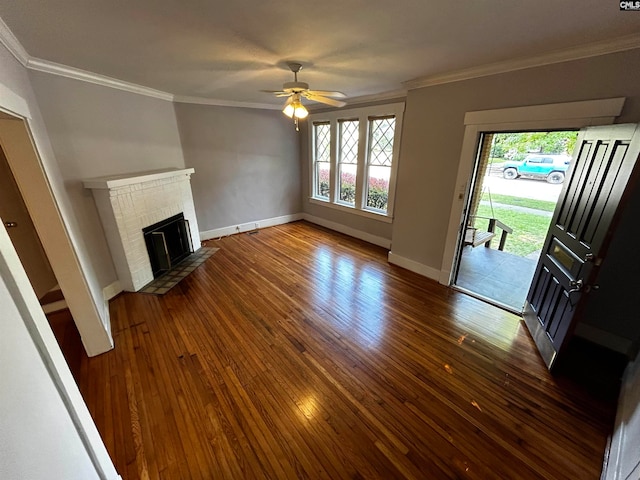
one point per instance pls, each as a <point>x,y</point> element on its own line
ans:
<point>111,290</point>
<point>603,338</point>
<point>352,232</point>
<point>416,267</point>
<point>248,227</point>
<point>270,222</point>
<point>445,277</point>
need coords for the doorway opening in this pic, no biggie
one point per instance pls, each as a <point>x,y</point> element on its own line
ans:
<point>517,179</point>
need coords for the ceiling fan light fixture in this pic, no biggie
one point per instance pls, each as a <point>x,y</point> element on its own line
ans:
<point>288,110</point>
<point>294,108</point>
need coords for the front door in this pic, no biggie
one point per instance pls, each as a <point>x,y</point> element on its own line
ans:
<point>602,164</point>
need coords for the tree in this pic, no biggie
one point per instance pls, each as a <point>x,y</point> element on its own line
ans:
<point>516,146</point>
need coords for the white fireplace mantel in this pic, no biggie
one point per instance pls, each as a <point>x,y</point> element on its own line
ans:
<point>129,203</point>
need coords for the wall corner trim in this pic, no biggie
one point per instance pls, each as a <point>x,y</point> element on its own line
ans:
<point>9,40</point>
<point>112,290</point>
<point>416,267</point>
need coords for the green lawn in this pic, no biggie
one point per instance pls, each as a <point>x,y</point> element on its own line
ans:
<point>545,205</point>
<point>529,229</point>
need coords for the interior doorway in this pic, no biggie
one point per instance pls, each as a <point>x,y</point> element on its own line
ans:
<point>517,179</point>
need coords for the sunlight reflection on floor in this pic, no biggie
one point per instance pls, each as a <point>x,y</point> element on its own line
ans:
<point>499,330</point>
<point>361,294</point>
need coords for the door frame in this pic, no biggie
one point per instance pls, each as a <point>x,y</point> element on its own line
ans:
<point>20,146</point>
<point>557,116</point>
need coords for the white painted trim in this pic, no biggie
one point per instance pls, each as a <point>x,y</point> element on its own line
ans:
<point>604,338</point>
<point>117,181</point>
<point>13,104</point>
<point>225,103</point>
<point>40,332</point>
<point>24,160</point>
<point>396,108</point>
<point>112,290</point>
<point>629,42</point>
<point>85,76</point>
<point>352,232</point>
<point>398,95</point>
<point>249,226</point>
<point>606,107</point>
<point>9,40</point>
<point>362,114</point>
<point>380,217</point>
<point>620,44</point>
<point>416,267</point>
<point>599,110</point>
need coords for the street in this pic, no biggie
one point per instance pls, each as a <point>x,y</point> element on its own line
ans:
<point>536,189</point>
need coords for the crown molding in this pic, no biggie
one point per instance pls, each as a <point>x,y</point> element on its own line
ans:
<point>353,101</point>
<point>378,97</point>
<point>628,42</point>
<point>224,103</point>
<point>11,43</point>
<point>95,78</point>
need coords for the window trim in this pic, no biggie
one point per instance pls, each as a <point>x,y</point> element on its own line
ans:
<point>363,115</point>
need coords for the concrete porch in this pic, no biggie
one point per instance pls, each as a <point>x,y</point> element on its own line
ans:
<point>500,276</point>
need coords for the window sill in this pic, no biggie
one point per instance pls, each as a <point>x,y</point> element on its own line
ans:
<point>381,217</point>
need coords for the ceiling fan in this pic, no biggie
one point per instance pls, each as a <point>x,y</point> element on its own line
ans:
<point>293,107</point>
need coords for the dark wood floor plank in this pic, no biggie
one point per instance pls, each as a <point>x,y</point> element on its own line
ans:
<point>297,352</point>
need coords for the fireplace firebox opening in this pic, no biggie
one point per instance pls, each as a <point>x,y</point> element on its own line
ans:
<point>168,243</point>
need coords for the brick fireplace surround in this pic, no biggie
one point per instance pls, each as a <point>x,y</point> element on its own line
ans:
<point>128,203</point>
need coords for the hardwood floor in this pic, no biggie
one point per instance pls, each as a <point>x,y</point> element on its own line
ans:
<point>297,352</point>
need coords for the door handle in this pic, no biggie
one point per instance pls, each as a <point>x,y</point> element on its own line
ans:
<point>10,224</point>
<point>576,285</point>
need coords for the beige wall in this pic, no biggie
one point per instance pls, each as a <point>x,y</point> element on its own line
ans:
<point>434,129</point>
<point>97,131</point>
<point>55,220</point>
<point>246,163</point>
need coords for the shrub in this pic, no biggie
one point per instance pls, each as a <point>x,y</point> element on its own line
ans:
<point>348,187</point>
<point>377,195</point>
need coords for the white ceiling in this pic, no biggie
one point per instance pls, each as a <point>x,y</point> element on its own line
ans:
<point>231,50</point>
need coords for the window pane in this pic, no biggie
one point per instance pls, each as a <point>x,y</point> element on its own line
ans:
<point>322,141</point>
<point>322,179</point>
<point>380,158</point>
<point>348,183</point>
<point>381,148</point>
<point>348,159</point>
<point>378,187</point>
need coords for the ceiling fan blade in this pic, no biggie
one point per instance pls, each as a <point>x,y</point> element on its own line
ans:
<point>328,93</point>
<point>278,93</point>
<point>319,98</point>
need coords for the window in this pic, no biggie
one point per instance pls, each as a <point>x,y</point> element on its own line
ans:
<point>348,161</point>
<point>354,159</point>
<point>379,161</point>
<point>321,146</point>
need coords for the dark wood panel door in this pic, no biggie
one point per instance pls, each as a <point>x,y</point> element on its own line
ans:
<point>602,164</point>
